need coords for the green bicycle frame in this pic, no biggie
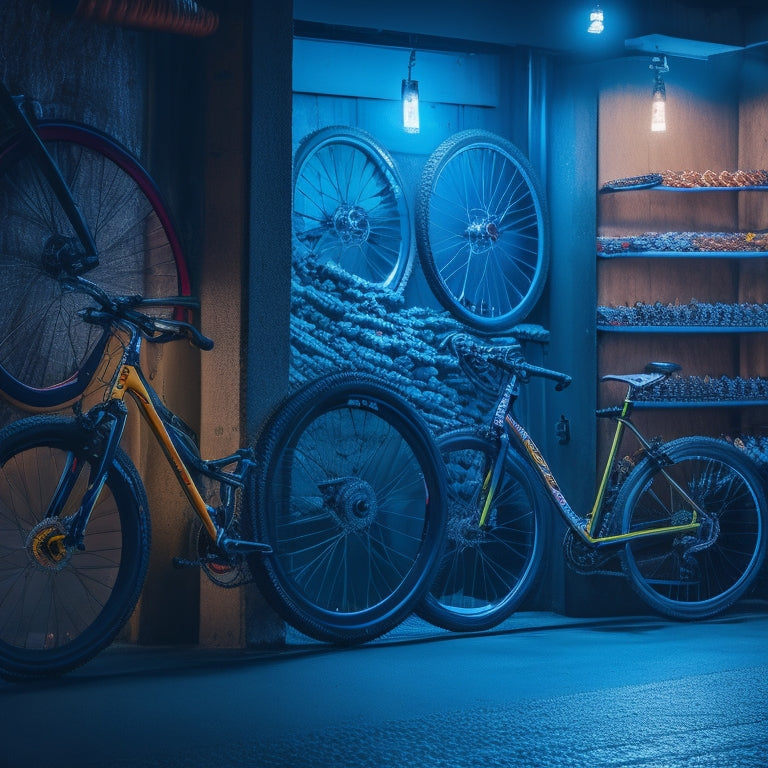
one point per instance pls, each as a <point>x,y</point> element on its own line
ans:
<point>584,526</point>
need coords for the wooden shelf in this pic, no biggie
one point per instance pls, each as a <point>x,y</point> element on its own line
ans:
<point>681,329</point>
<point>648,405</point>
<point>629,254</point>
<point>666,188</point>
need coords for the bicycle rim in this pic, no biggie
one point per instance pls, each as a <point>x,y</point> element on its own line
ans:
<point>350,501</point>
<point>43,341</point>
<point>482,230</point>
<point>58,609</point>
<point>485,573</point>
<point>700,573</point>
<point>349,207</point>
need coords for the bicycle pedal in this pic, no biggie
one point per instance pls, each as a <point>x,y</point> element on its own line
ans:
<point>183,562</point>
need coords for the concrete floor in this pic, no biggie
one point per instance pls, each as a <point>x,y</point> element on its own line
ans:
<point>541,690</point>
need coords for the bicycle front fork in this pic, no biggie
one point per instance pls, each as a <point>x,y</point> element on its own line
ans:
<point>104,427</point>
<point>491,482</point>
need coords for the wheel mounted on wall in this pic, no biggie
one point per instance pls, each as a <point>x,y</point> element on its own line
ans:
<point>43,341</point>
<point>482,230</point>
<point>349,207</point>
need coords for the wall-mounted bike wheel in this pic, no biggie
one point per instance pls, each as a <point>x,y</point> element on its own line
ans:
<point>349,207</point>
<point>44,342</point>
<point>482,230</point>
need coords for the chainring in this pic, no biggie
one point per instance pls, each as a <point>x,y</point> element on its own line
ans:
<point>223,571</point>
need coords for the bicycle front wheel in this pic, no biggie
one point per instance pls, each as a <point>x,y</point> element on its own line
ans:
<point>349,207</point>
<point>699,573</point>
<point>59,606</point>
<point>482,230</point>
<point>43,342</point>
<point>486,572</point>
<point>350,497</point>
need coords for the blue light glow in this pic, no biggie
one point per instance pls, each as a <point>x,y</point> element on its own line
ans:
<point>596,21</point>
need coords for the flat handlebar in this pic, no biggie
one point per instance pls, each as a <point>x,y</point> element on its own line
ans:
<point>506,357</point>
<point>562,379</point>
<point>156,330</point>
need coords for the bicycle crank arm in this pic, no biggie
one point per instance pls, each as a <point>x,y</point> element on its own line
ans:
<point>243,547</point>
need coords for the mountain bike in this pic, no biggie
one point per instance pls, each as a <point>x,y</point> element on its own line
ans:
<point>337,511</point>
<point>73,201</point>
<point>686,518</point>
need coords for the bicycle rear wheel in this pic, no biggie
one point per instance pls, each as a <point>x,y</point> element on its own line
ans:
<point>349,207</point>
<point>350,497</point>
<point>59,608</point>
<point>43,342</point>
<point>697,574</point>
<point>482,230</point>
<point>486,572</point>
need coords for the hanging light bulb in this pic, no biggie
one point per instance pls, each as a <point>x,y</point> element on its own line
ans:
<point>659,98</point>
<point>596,21</point>
<point>410,97</point>
<point>659,106</point>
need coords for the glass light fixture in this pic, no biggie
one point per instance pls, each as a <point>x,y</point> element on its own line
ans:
<point>659,98</point>
<point>596,21</point>
<point>410,97</point>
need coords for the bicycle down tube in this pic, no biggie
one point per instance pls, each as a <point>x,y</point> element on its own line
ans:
<point>131,380</point>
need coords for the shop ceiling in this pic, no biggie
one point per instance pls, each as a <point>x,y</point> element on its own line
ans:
<point>688,28</point>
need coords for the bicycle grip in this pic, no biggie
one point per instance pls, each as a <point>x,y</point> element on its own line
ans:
<point>562,379</point>
<point>197,338</point>
<point>175,329</point>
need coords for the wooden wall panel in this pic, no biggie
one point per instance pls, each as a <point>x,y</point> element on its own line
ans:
<point>669,281</point>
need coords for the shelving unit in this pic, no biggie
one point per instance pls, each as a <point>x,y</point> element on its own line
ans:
<point>688,290</point>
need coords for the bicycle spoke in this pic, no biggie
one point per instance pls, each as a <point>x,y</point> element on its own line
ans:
<point>43,340</point>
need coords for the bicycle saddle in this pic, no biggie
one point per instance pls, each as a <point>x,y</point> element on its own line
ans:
<point>665,368</point>
<point>653,372</point>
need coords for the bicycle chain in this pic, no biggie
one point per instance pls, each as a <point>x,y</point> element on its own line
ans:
<point>224,572</point>
<point>586,560</point>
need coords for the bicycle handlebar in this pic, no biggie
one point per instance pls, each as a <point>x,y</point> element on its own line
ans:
<point>155,329</point>
<point>506,357</point>
<point>562,379</point>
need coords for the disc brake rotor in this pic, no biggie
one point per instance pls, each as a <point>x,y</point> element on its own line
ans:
<point>45,545</point>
